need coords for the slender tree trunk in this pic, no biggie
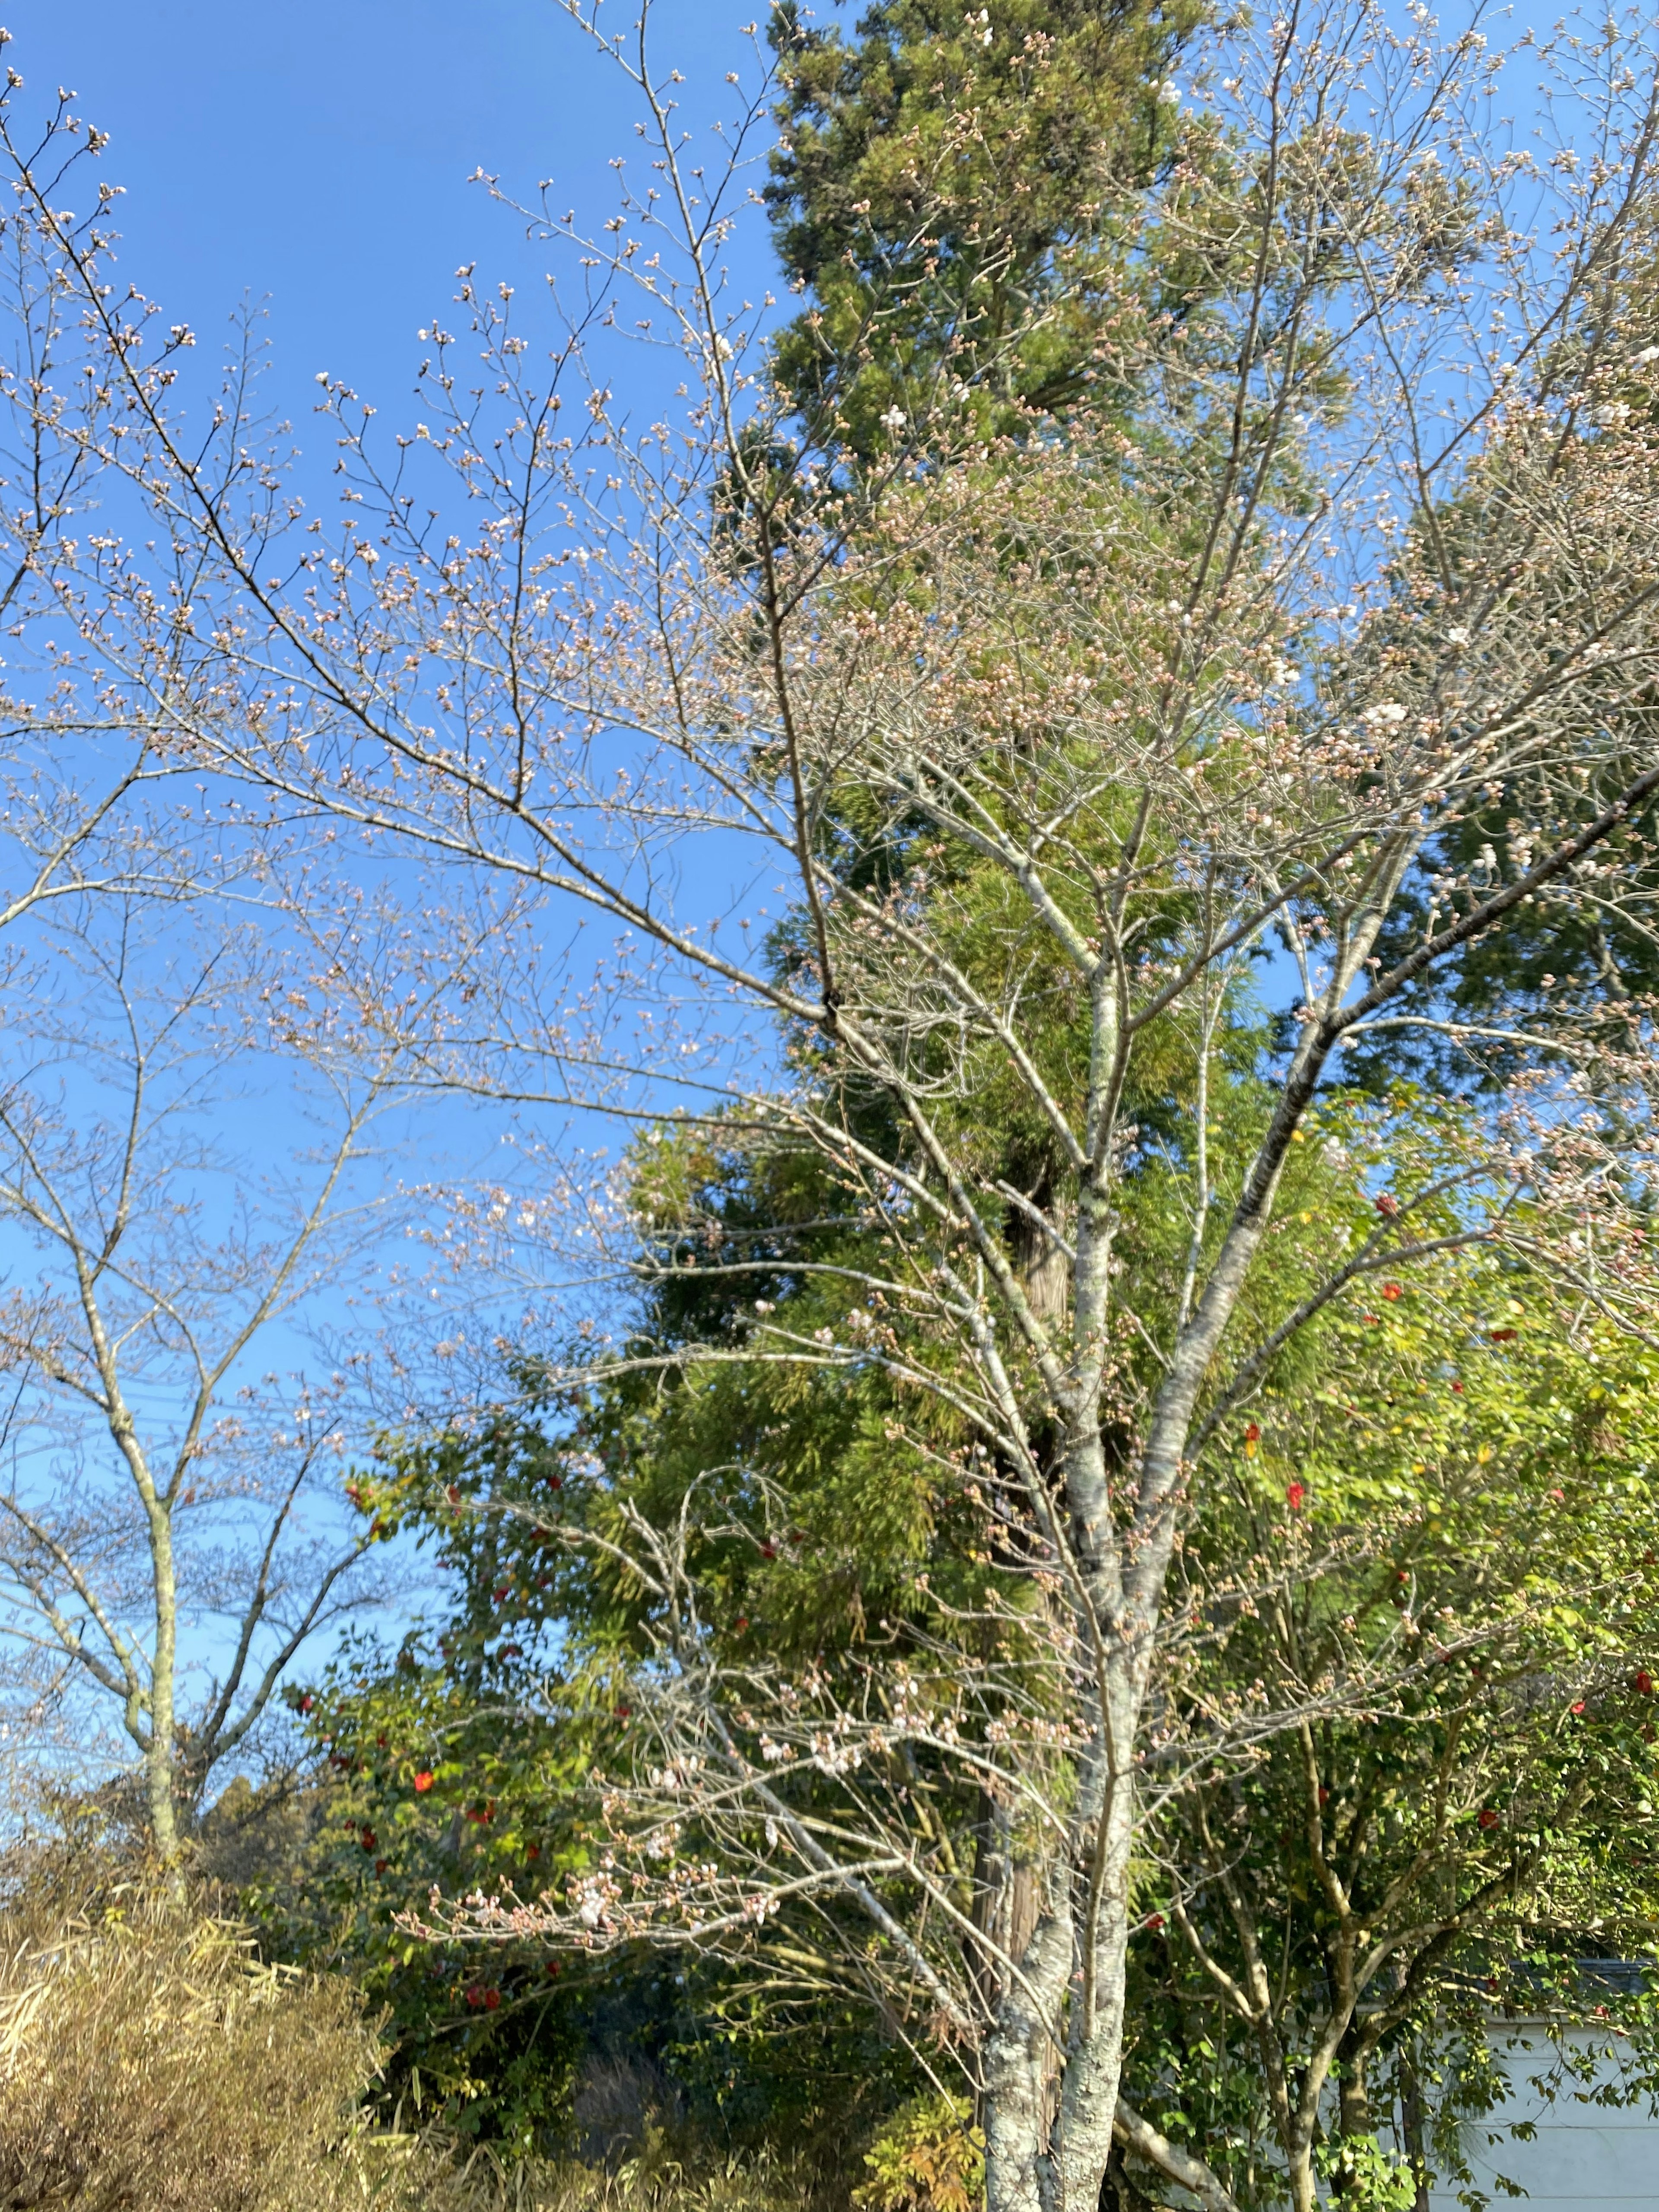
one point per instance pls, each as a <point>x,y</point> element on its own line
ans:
<point>1354,2121</point>
<point>1413,2133</point>
<point>158,1762</point>
<point>1020,2065</point>
<point>1094,2056</point>
<point>1060,2028</point>
<point>1304,2197</point>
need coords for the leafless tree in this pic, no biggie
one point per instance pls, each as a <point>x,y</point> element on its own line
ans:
<point>190,1208</point>
<point>84,801</point>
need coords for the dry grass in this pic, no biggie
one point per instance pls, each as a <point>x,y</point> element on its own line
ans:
<point>147,2059</point>
<point>151,2063</point>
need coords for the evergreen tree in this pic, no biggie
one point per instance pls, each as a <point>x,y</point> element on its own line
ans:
<point>943,197</point>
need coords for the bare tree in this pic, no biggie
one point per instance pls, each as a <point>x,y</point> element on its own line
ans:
<point>1050,740</point>
<point>171,1526</point>
<point>84,795</point>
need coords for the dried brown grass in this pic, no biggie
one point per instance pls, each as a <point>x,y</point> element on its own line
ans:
<point>148,2059</point>
<point>150,2062</point>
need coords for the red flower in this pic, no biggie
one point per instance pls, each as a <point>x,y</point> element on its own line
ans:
<point>1294,1494</point>
<point>1458,1387</point>
<point>453,1495</point>
<point>1502,1336</point>
<point>475,1996</point>
<point>492,1998</point>
<point>1643,1683</point>
<point>1253,1434</point>
<point>368,1839</point>
<point>380,1865</point>
<point>768,1550</point>
<point>1154,1920</point>
<point>623,1711</point>
<point>307,1702</point>
<point>1579,1707</point>
<point>741,1622</point>
<point>1393,1291</point>
<point>1488,1817</point>
<point>554,1970</point>
<point>556,1482</point>
<point>1387,1205</point>
<point>532,1851</point>
<point>1324,1795</point>
<point>423,1779</point>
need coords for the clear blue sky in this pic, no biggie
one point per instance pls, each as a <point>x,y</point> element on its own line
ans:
<point>316,151</point>
<point>315,154</point>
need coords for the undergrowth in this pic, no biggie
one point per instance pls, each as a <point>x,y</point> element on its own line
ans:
<point>151,2062</point>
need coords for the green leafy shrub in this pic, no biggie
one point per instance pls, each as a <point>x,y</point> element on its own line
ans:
<point>928,2158</point>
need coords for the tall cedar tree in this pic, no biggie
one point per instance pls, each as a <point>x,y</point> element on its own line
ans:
<point>944,173</point>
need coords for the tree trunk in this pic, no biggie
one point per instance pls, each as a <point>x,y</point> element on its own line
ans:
<point>1060,2026</point>
<point>1044,1266</point>
<point>1413,2133</point>
<point>1304,2197</point>
<point>162,1802</point>
<point>1004,1912</point>
<point>1354,2121</point>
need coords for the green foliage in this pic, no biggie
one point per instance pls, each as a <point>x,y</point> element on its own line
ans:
<point>1434,1528</point>
<point>459,1760</point>
<point>1364,2177</point>
<point>929,2158</point>
<point>943,174</point>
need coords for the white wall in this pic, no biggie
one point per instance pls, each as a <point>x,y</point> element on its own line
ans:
<point>1583,2154</point>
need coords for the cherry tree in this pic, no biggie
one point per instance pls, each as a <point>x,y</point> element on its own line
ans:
<point>197,1331</point>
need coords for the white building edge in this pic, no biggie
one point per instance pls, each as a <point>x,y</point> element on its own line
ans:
<point>1583,2153</point>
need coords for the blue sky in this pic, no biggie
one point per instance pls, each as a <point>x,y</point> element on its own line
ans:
<point>315,152</point>
<point>313,156</point>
